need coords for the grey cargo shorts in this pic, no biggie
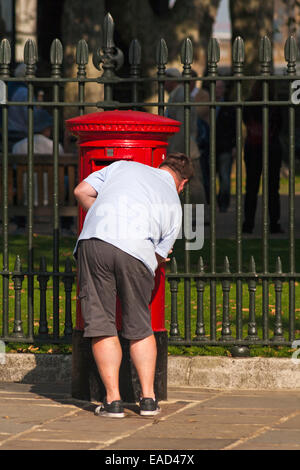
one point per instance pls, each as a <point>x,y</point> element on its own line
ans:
<point>105,272</point>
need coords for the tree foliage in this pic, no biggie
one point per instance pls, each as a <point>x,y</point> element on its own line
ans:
<point>252,20</point>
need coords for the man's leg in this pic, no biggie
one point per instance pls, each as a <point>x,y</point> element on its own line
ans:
<point>107,352</point>
<point>143,353</point>
<point>253,163</point>
<point>224,161</point>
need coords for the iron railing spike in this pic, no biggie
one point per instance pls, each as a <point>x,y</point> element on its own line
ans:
<point>200,265</point>
<point>265,50</point>
<point>30,52</point>
<point>18,264</point>
<point>108,31</point>
<point>238,50</point>
<point>5,52</point>
<point>162,52</point>
<point>68,265</point>
<point>56,52</point>
<point>291,51</point>
<point>278,265</point>
<point>252,267</point>
<point>43,265</point>
<point>226,265</point>
<point>173,265</point>
<point>135,52</point>
<point>213,51</point>
<point>82,52</point>
<point>187,53</point>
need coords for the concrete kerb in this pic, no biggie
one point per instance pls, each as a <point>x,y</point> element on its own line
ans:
<point>211,372</point>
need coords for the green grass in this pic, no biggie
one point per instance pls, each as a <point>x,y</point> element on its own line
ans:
<point>43,247</point>
<point>250,247</point>
<point>255,351</point>
<point>253,248</point>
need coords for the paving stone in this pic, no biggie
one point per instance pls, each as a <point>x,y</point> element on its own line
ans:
<point>195,429</point>
<point>48,418</point>
<point>170,444</point>
<point>224,416</point>
<point>267,401</point>
<point>291,423</point>
<point>15,419</point>
<point>45,445</point>
<point>257,446</point>
<point>40,389</point>
<point>86,426</point>
<point>280,437</point>
<point>191,394</point>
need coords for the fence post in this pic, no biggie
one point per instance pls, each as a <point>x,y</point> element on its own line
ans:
<point>213,57</point>
<point>291,53</point>
<point>5,59</point>
<point>30,59</point>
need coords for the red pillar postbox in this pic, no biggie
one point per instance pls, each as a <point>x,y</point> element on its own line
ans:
<point>108,136</point>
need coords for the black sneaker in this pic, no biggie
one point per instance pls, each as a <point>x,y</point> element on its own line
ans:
<point>114,409</point>
<point>149,407</point>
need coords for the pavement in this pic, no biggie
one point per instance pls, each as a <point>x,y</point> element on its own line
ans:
<point>46,417</point>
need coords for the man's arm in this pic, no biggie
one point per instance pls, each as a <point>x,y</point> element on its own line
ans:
<point>85,194</point>
<point>160,259</point>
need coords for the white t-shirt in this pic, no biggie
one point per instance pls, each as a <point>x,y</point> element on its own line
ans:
<point>137,209</point>
<point>41,144</point>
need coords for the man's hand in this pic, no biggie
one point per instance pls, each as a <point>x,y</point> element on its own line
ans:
<point>85,194</point>
<point>160,259</point>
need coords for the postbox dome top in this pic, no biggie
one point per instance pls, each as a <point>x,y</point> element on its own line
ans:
<point>122,121</point>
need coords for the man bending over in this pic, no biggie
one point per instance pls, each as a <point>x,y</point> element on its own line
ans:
<point>133,218</point>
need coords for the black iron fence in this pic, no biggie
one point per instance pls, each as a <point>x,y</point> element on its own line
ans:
<point>193,293</point>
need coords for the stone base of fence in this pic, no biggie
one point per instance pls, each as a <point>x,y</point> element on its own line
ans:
<point>201,371</point>
<point>234,373</point>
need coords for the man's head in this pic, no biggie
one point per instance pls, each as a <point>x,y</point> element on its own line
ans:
<point>20,70</point>
<point>43,122</point>
<point>172,72</point>
<point>181,168</point>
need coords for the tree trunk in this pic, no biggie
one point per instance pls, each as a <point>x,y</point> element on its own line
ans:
<point>148,21</point>
<point>252,20</point>
<point>82,20</point>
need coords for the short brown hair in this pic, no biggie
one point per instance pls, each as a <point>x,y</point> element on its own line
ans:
<point>181,164</point>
